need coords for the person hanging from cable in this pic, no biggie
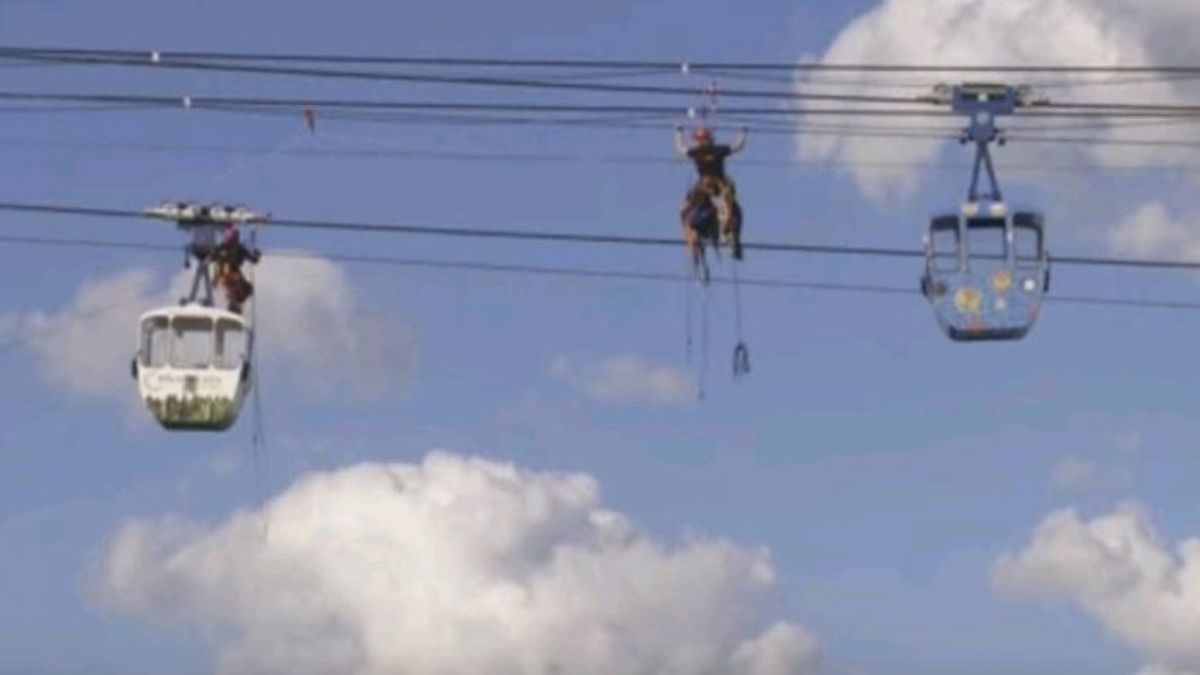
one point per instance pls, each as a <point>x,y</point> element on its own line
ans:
<point>709,159</point>
<point>700,220</point>
<point>229,257</point>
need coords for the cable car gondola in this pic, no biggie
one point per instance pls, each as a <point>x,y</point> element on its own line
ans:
<point>193,361</point>
<point>986,269</point>
<point>986,273</point>
<point>193,366</point>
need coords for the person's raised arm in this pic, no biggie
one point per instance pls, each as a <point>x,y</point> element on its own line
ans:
<point>739,143</point>
<point>251,254</point>
<point>681,147</point>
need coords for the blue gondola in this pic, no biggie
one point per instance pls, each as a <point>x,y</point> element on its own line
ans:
<point>986,273</point>
<point>986,268</point>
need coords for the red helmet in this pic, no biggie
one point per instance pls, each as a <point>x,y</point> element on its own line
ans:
<point>231,234</point>
<point>702,135</point>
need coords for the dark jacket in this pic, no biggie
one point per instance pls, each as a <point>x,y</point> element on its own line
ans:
<point>709,159</point>
<point>234,255</point>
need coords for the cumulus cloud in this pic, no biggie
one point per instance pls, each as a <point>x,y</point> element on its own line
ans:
<point>85,347</point>
<point>1119,570</point>
<point>1152,230</point>
<point>455,565</point>
<point>1013,32</point>
<point>1165,670</point>
<point>312,325</point>
<point>313,320</point>
<point>624,378</point>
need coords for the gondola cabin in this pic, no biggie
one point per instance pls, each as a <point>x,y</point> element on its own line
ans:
<point>193,366</point>
<point>986,271</point>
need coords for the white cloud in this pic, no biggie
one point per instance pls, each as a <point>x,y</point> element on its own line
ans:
<point>1151,230</point>
<point>312,325</point>
<point>1013,32</point>
<point>85,348</point>
<point>313,320</point>
<point>1080,475</point>
<point>452,566</point>
<point>624,378</point>
<point>783,649</point>
<point>1117,568</point>
<point>1165,670</point>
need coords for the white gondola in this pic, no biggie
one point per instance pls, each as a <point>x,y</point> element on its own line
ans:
<point>193,360</point>
<point>193,366</point>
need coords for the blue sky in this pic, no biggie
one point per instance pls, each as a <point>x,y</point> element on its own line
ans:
<point>885,468</point>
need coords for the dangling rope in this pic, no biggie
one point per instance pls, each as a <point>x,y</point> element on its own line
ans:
<point>262,467</point>
<point>258,439</point>
<point>699,264</point>
<point>703,273</point>
<point>711,92</point>
<point>687,314</point>
<point>703,366</point>
<point>741,353</point>
<point>690,268</point>
<point>283,146</point>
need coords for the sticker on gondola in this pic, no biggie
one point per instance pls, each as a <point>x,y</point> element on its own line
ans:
<point>968,300</point>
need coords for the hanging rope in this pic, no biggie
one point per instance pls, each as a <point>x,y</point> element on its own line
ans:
<point>262,467</point>
<point>741,353</point>
<point>691,270</point>
<point>703,366</point>
<point>281,148</point>
<point>699,263</point>
<point>701,270</point>
<point>703,273</point>
<point>710,105</point>
<point>687,315</point>
<point>258,438</point>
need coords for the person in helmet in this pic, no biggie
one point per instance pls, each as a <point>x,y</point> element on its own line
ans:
<point>709,156</point>
<point>229,256</point>
<point>709,159</point>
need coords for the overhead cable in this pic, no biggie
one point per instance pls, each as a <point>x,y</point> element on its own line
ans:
<point>576,63</point>
<point>586,238</point>
<point>585,273</point>
<point>170,61</point>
